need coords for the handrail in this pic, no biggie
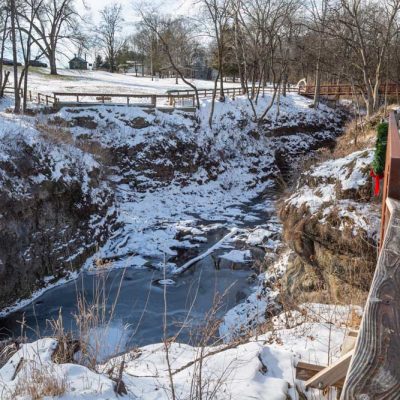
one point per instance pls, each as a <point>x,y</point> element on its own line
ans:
<point>102,97</point>
<point>374,371</point>
<point>391,185</point>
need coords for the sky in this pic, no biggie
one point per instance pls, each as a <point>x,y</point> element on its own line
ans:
<point>173,7</point>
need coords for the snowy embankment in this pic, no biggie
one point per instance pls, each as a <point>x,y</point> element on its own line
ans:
<point>342,186</point>
<point>331,222</point>
<point>261,368</point>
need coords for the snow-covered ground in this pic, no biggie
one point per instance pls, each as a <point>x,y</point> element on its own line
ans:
<point>338,186</point>
<point>106,82</point>
<point>262,368</point>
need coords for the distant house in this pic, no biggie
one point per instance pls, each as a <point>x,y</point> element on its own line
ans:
<point>78,63</point>
<point>7,61</point>
<point>37,63</point>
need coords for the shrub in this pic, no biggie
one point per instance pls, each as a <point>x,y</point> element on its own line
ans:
<point>378,165</point>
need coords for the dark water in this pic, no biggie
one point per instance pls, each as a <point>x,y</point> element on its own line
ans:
<point>133,303</point>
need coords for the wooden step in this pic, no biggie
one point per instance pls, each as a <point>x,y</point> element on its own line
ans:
<point>331,375</point>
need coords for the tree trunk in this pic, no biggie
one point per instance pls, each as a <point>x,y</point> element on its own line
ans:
<point>17,103</point>
<point>53,63</point>
<point>317,85</point>
<point>3,43</point>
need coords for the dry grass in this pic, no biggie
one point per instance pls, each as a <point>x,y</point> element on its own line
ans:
<point>40,382</point>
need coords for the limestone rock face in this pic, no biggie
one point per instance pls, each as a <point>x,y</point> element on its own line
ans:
<point>53,214</point>
<point>331,223</point>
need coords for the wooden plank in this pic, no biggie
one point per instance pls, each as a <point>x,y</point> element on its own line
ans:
<point>374,372</point>
<point>306,371</point>
<point>332,374</point>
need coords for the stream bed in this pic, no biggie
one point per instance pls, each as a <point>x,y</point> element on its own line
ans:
<point>133,303</point>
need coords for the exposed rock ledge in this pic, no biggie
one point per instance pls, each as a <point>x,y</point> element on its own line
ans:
<point>331,223</point>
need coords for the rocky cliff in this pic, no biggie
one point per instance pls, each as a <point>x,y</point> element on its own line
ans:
<point>54,210</point>
<point>331,223</point>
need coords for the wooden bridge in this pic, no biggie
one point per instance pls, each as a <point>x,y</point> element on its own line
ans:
<point>346,90</point>
<point>370,366</point>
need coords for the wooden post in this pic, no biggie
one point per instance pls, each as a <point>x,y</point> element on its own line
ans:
<point>38,98</point>
<point>153,101</point>
<point>30,95</point>
<point>127,100</point>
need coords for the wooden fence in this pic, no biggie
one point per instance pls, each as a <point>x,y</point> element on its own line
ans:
<point>233,92</point>
<point>62,99</point>
<point>374,371</point>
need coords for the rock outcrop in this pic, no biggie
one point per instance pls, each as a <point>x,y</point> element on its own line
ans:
<point>331,223</point>
<point>54,211</point>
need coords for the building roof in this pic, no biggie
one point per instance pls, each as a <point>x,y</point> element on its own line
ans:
<point>79,59</point>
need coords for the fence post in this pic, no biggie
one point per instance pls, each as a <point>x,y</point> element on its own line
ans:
<point>38,98</point>
<point>153,101</point>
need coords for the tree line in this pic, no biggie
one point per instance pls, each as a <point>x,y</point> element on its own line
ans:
<point>259,42</point>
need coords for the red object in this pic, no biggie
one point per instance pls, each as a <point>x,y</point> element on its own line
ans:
<point>377,179</point>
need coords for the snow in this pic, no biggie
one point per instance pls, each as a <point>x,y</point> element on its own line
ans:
<point>73,81</point>
<point>251,313</point>
<point>349,170</point>
<point>262,367</point>
<point>237,256</point>
<point>323,191</point>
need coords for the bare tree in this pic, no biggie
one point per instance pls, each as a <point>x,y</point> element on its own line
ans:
<point>4,20</point>
<point>13,16</point>
<point>174,37</point>
<point>108,32</point>
<point>32,8</point>
<point>367,29</point>
<point>55,22</point>
<point>318,13</point>
<point>219,15</point>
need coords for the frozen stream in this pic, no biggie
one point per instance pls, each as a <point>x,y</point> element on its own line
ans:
<point>137,319</point>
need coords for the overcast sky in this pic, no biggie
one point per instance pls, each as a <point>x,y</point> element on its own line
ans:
<point>174,7</point>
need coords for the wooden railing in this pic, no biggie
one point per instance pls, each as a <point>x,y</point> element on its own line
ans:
<point>346,90</point>
<point>33,97</point>
<point>145,100</point>
<point>391,186</point>
<point>237,91</point>
<point>374,371</point>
